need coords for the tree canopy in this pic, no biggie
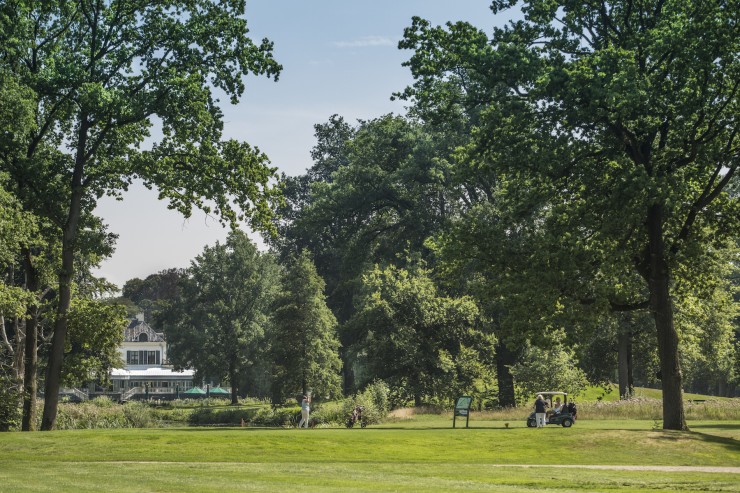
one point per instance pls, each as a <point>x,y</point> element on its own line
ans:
<point>124,90</point>
<point>619,119</point>
<point>217,324</point>
<point>303,338</point>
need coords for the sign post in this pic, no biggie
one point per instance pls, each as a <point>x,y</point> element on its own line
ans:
<point>462,408</point>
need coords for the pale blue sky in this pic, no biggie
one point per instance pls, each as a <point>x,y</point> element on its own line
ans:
<point>338,56</point>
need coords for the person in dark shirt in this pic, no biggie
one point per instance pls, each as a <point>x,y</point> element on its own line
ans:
<point>540,408</point>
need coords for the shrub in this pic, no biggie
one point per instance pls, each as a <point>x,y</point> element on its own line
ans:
<point>220,416</point>
<point>282,416</point>
<point>104,413</point>
<point>140,415</point>
<point>330,413</point>
<point>374,398</point>
<point>10,411</point>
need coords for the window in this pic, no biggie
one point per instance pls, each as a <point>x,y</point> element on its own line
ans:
<point>143,337</point>
<point>143,357</point>
<point>132,357</point>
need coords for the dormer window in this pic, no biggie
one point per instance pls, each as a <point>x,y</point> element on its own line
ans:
<point>143,337</point>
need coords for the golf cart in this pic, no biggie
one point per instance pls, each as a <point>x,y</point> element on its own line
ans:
<point>566,417</point>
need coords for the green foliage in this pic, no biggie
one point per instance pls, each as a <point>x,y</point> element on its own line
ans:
<point>375,191</point>
<point>280,417</point>
<point>104,413</point>
<point>150,294</point>
<point>17,230</point>
<point>422,344</point>
<point>553,369</point>
<point>95,335</point>
<point>374,399</point>
<point>10,395</point>
<point>217,324</point>
<point>609,130</point>
<point>97,77</point>
<point>304,343</point>
<point>704,318</point>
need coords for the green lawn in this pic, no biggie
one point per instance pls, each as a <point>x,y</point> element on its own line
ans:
<point>611,394</point>
<point>423,454</point>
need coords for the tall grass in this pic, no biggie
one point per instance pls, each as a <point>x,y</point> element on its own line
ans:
<point>104,413</point>
<point>635,408</point>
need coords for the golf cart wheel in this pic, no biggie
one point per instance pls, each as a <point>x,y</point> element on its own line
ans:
<point>567,423</point>
<point>531,423</point>
<point>363,424</point>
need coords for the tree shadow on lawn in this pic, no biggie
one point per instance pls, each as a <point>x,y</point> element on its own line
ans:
<point>719,426</point>
<point>674,436</point>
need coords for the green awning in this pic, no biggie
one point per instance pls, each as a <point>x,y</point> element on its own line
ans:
<point>219,391</point>
<point>195,391</point>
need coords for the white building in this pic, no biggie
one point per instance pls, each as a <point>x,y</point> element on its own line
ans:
<point>147,372</point>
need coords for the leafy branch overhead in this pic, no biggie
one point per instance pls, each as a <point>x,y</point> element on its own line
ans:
<point>125,90</point>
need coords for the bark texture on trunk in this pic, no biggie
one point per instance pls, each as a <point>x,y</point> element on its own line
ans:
<point>674,417</point>
<point>30,376</point>
<point>56,353</point>
<point>348,376</point>
<point>624,356</point>
<point>66,274</point>
<point>232,378</point>
<point>505,358</point>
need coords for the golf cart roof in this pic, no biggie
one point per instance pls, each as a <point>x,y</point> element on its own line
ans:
<point>551,393</point>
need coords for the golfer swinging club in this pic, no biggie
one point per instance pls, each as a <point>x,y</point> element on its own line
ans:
<point>305,409</point>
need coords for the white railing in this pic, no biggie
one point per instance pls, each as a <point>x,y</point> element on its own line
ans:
<point>77,393</point>
<point>130,393</point>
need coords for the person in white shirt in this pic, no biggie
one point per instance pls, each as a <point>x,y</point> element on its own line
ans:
<point>305,410</point>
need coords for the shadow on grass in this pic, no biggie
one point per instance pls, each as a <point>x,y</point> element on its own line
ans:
<point>726,442</point>
<point>716,426</point>
<point>729,443</point>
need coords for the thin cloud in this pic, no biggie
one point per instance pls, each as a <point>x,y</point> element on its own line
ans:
<point>368,41</point>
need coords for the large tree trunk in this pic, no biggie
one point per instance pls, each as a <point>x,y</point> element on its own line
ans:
<point>348,375</point>
<point>505,358</point>
<point>30,376</point>
<point>56,353</point>
<point>66,274</point>
<point>624,357</point>
<point>232,379</point>
<point>674,417</point>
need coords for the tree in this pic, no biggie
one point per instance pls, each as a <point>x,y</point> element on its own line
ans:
<point>551,369</point>
<point>630,116</point>
<point>16,232</point>
<point>152,293</point>
<point>217,324</point>
<point>95,335</point>
<point>101,74</point>
<point>373,193</point>
<point>304,342</point>
<point>423,344</point>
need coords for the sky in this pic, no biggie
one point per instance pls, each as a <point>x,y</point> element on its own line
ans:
<point>338,57</point>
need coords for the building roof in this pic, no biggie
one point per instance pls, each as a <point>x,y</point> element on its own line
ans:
<point>151,372</point>
<point>136,328</point>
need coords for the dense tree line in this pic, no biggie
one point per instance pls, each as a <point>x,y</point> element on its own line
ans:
<point>572,171</point>
<point>83,85</point>
<point>560,205</point>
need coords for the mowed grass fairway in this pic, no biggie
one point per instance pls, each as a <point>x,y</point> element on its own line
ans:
<point>420,455</point>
